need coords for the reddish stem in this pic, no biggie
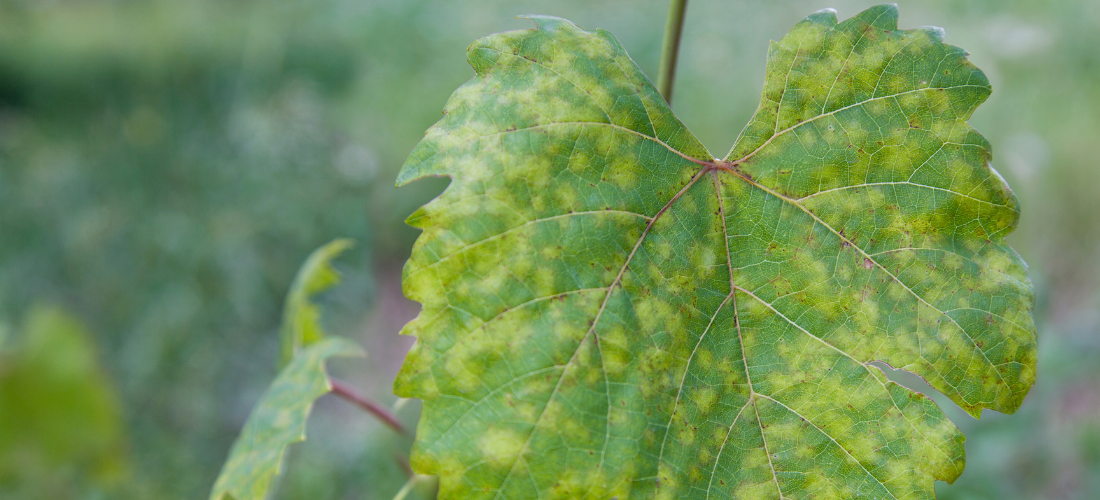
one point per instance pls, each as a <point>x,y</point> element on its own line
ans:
<point>403,462</point>
<point>380,412</point>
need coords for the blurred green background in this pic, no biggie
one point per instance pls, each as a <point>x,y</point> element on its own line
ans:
<point>165,167</point>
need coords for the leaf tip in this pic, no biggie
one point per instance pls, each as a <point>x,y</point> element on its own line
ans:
<point>338,246</point>
<point>301,317</point>
<point>887,11</point>
<point>406,176</point>
<point>935,33</point>
<point>824,16</point>
<point>884,17</point>
<point>548,24</point>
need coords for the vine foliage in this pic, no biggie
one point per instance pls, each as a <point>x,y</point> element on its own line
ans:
<point>612,311</point>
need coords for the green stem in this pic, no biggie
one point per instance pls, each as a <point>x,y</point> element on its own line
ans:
<point>670,50</point>
<point>404,491</point>
<point>412,482</point>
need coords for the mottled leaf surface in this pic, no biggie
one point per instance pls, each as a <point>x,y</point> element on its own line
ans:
<point>301,317</point>
<point>278,420</point>
<point>611,311</point>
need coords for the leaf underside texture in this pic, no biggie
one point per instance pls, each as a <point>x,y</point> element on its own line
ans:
<point>611,311</point>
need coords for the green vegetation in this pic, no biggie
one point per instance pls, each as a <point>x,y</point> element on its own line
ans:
<point>166,166</point>
<point>60,422</point>
<point>278,421</point>
<point>612,311</point>
<point>301,316</point>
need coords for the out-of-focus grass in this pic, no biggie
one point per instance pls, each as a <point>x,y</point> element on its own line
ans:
<point>165,166</point>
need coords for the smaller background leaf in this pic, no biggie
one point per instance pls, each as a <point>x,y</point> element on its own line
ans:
<point>60,417</point>
<point>278,420</point>
<point>301,317</point>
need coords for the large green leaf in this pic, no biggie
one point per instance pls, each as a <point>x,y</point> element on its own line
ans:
<point>611,311</point>
<point>277,421</point>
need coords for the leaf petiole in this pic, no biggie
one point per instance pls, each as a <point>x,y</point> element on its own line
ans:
<point>670,49</point>
<point>412,482</point>
<point>380,412</point>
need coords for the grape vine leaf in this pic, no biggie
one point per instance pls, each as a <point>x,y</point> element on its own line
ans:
<point>277,421</point>
<point>301,317</point>
<point>279,418</point>
<point>611,311</point>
